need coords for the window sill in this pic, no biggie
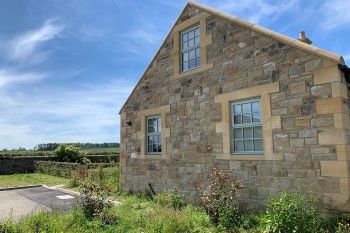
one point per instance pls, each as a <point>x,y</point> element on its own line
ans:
<point>243,157</point>
<point>193,71</point>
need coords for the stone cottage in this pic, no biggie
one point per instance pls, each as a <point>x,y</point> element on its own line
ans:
<point>223,92</point>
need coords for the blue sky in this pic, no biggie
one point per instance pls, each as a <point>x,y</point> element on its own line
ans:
<point>66,67</point>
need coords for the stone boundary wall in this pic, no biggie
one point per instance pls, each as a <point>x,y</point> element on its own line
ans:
<point>23,164</point>
<point>26,164</point>
<point>64,169</point>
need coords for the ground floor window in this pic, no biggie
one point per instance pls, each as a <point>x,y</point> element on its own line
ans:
<point>247,136</point>
<point>154,135</point>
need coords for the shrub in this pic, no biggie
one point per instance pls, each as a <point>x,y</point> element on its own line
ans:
<point>78,176</point>
<point>94,198</point>
<point>42,222</point>
<point>170,222</point>
<point>293,212</point>
<point>218,199</point>
<point>8,227</point>
<point>343,226</point>
<point>70,153</point>
<point>172,200</point>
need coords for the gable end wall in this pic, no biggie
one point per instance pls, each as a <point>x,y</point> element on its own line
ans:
<point>305,110</point>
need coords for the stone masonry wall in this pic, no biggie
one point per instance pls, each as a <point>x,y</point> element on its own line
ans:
<point>309,142</point>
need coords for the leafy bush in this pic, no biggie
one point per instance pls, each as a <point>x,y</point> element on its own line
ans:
<point>94,195</point>
<point>293,212</point>
<point>172,200</point>
<point>8,227</point>
<point>78,176</point>
<point>343,226</point>
<point>70,153</point>
<point>218,199</point>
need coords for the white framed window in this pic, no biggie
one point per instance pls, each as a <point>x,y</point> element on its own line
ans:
<point>154,135</point>
<point>247,135</point>
<point>190,49</point>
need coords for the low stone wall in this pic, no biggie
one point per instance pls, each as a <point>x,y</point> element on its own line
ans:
<point>64,169</point>
<point>113,158</point>
<point>26,164</point>
<point>22,164</point>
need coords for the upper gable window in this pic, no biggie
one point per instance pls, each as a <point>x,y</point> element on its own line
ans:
<point>190,49</point>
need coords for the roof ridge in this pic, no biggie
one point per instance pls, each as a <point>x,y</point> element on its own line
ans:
<point>275,35</point>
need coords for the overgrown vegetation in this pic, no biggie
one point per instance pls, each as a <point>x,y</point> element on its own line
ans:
<point>219,199</point>
<point>168,212</point>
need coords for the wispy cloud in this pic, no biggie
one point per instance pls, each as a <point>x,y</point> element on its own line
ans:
<point>336,14</point>
<point>26,45</point>
<point>8,77</point>
<point>143,39</point>
<point>347,58</point>
<point>256,10</point>
<point>64,114</point>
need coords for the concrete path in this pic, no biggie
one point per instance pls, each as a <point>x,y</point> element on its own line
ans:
<point>17,203</point>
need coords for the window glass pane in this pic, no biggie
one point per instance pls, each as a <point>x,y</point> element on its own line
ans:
<point>197,31</point>
<point>150,139</point>
<point>258,144</point>
<point>191,43</point>
<point>198,52</point>
<point>159,125</point>
<point>258,132</point>
<point>256,107</point>
<point>151,129</point>
<point>247,118</point>
<point>248,145</point>
<point>184,37</point>
<point>237,133</point>
<point>192,64</point>
<point>197,40</point>
<point>191,34</point>
<point>237,109</point>
<point>150,147</point>
<point>238,145</point>
<point>247,108</point>
<point>192,54</point>
<point>256,117</point>
<point>185,57</point>
<point>185,66</point>
<point>198,61</point>
<point>248,133</point>
<point>237,119</point>
<point>185,46</point>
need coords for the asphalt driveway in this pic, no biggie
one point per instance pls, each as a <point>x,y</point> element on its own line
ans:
<point>17,203</point>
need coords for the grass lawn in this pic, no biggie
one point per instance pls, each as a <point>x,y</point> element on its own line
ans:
<point>31,179</point>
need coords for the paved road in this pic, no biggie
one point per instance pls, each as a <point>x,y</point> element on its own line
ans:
<point>18,203</point>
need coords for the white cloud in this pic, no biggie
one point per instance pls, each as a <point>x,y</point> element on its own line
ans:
<point>8,76</point>
<point>25,46</point>
<point>256,10</point>
<point>347,58</point>
<point>336,14</point>
<point>85,113</point>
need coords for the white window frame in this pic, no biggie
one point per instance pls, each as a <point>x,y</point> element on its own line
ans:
<point>157,133</point>
<point>253,125</point>
<point>196,48</point>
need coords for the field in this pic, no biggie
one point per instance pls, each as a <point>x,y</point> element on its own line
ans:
<point>31,179</point>
<point>90,151</point>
